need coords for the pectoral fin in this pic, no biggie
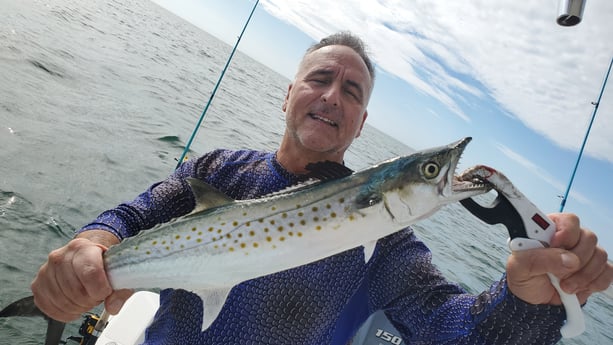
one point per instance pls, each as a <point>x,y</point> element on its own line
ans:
<point>212,301</point>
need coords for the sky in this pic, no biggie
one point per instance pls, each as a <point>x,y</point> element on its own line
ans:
<point>502,72</point>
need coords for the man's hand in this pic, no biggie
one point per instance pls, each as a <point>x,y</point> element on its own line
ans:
<point>573,256</point>
<point>73,279</point>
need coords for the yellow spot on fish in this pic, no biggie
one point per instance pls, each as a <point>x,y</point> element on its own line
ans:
<point>299,234</point>
<point>229,235</point>
<point>333,214</point>
<point>291,233</point>
<point>163,242</point>
<point>148,253</point>
<point>266,230</point>
<point>318,228</point>
<point>303,222</point>
<point>351,217</point>
<point>167,248</point>
<point>314,209</point>
<point>243,245</point>
<point>248,224</point>
<point>280,229</point>
<point>255,245</point>
<point>154,243</point>
<point>240,235</point>
<point>177,237</point>
<point>268,238</point>
<point>188,238</point>
<point>216,246</point>
<point>284,215</point>
<point>300,214</point>
<point>291,225</point>
<point>244,214</point>
<point>199,240</point>
<point>341,200</point>
<point>272,222</point>
<point>136,248</point>
<point>281,238</point>
<point>211,229</point>
<point>199,233</point>
<point>235,223</point>
<point>231,249</point>
<point>261,220</point>
<point>219,231</point>
<point>223,223</point>
<point>316,219</point>
<point>251,233</point>
<point>194,229</point>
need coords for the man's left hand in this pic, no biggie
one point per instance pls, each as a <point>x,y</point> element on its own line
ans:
<point>573,256</point>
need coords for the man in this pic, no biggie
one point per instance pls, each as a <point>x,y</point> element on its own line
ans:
<point>325,110</point>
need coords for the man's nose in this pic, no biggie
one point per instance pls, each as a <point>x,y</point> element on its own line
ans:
<point>331,95</point>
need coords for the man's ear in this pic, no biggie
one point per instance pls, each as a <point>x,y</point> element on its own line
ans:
<point>289,89</point>
<point>363,122</point>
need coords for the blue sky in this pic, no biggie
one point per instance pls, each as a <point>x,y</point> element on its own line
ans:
<point>502,72</point>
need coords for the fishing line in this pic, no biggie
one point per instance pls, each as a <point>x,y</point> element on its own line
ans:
<point>223,72</point>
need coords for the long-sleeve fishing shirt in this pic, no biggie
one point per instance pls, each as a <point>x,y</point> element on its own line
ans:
<point>326,301</point>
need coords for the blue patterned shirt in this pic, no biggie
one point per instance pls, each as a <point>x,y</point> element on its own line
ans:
<point>323,302</point>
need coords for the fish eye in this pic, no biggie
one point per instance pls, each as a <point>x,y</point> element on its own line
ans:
<point>430,170</point>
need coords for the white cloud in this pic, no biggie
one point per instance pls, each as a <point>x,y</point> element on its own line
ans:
<point>541,173</point>
<point>544,74</point>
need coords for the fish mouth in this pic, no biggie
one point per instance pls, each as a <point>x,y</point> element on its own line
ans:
<point>476,175</point>
<point>323,119</point>
<point>463,189</point>
<point>464,185</point>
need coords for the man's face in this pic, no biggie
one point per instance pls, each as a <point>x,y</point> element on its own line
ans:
<point>326,104</point>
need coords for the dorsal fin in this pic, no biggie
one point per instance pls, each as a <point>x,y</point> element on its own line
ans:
<point>206,196</point>
<point>327,170</point>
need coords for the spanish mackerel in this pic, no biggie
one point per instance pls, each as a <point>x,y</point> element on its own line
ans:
<point>225,242</point>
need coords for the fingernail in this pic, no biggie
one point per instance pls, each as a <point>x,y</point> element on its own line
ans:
<point>568,260</point>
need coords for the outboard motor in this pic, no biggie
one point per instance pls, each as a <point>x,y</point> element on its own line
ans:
<point>570,12</point>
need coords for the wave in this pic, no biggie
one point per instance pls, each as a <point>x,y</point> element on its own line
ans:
<point>49,70</point>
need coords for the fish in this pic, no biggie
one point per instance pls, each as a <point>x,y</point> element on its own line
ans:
<point>224,242</point>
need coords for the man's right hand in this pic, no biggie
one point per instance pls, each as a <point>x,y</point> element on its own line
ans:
<point>73,279</point>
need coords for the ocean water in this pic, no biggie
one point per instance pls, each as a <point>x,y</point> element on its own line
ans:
<point>97,100</point>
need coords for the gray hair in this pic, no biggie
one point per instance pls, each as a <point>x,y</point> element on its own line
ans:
<point>346,38</point>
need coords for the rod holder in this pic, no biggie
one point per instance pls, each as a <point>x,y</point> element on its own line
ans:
<point>570,12</point>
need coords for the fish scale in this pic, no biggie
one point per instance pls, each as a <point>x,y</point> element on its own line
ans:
<point>247,232</point>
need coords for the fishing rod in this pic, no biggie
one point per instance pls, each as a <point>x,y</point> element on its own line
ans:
<point>223,72</point>
<point>587,133</point>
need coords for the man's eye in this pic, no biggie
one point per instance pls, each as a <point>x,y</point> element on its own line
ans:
<point>353,94</point>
